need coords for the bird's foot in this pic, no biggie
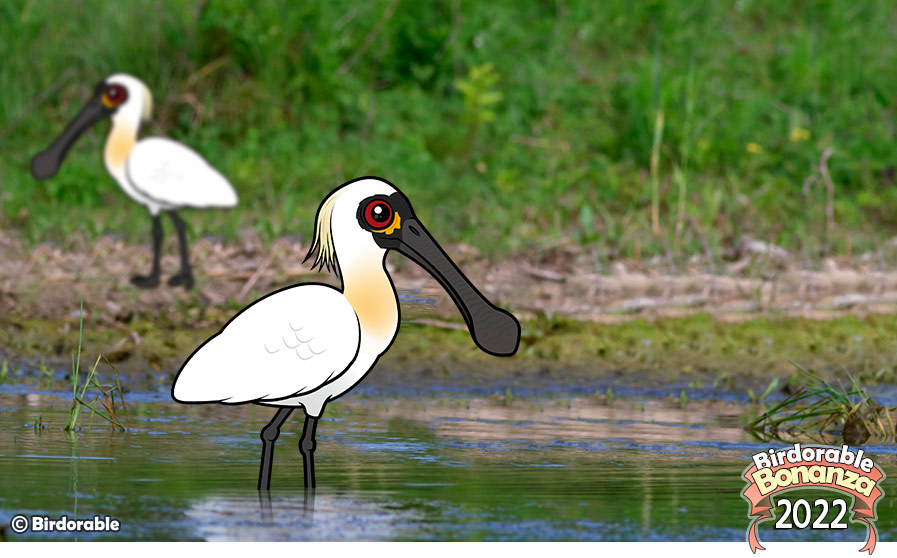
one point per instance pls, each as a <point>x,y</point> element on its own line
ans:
<point>181,280</point>
<point>145,281</point>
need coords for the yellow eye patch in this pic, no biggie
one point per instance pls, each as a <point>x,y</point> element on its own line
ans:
<point>396,224</point>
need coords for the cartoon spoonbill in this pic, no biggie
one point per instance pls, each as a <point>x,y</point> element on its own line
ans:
<point>159,173</point>
<point>308,344</point>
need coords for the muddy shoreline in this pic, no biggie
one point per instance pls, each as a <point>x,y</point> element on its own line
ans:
<point>585,325</point>
<point>47,281</point>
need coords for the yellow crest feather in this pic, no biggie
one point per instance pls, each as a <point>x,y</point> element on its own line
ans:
<point>147,104</point>
<point>322,245</point>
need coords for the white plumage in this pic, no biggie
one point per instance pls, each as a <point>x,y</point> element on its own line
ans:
<point>173,175</point>
<point>159,173</point>
<point>309,344</point>
<point>284,345</point>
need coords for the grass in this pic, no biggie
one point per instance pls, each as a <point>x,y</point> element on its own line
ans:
<point>816,409</point>
<point>729,357</point>
<point>650,128</point>
<point>105,396</point>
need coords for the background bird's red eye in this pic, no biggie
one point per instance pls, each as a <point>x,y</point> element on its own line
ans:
<point>116,94</point>
<point>378,214</point>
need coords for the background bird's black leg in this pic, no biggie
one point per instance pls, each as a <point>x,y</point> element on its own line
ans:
<point>307,449</point>
<point>185,277</point>
<point>269,435</point>
<point>152,280</point>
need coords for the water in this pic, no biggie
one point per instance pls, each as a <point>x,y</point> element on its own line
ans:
<point>398,468</point>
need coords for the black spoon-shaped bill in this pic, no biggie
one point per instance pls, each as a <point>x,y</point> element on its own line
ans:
<point>46,163</point>
<point>494,330</point>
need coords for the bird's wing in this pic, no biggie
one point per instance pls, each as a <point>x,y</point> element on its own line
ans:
<point>174,175</point>
<point>286,344</point>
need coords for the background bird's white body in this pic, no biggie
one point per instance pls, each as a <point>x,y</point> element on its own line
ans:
<point>308,344</point>
<point>158,173</point>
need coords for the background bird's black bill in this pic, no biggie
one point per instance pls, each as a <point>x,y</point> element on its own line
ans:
<point>46,163</point>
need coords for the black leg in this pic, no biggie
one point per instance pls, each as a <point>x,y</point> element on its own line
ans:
<point>185,277</point>
<point>269,435</point>
<point>308,505</point>
<point>152,280</point>
<point>307,449</point>
<point>265,506</point>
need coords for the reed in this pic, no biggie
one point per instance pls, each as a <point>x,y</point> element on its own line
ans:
<point>104,395</point>
<point>817,410</point>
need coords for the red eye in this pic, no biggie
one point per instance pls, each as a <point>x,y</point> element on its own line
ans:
<point>378,214</point>
<point>114,95</point>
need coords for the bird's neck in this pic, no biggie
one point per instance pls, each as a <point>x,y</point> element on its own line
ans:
<point>122,139</point>
<point>369,290</point>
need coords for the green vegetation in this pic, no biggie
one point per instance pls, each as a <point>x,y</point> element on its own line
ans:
<point>815,408</point>
<point>104,395</point>
<point>695,352</point>
<point>639,127</point>
<point>79,390</point>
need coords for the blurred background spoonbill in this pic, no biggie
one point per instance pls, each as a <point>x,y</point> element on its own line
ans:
<point>161,174</point>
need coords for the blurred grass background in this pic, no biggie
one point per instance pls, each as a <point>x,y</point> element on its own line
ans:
<point>633,128</point>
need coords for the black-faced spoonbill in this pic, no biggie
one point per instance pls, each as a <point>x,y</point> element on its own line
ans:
<point>159,173</point>
<point>308,344</point>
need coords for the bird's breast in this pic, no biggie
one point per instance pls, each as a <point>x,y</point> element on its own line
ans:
<point>118,146</point>
<point>377,314</point>
<point>375,304</point>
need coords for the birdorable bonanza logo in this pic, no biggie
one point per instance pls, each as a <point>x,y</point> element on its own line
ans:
<point>845,471</point>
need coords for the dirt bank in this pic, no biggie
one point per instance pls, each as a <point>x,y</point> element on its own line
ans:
<point>564,297</point>
<point>48,282</point>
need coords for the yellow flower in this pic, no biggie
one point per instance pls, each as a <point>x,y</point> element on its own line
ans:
<point>799,134</point>
<point>754,148</point>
